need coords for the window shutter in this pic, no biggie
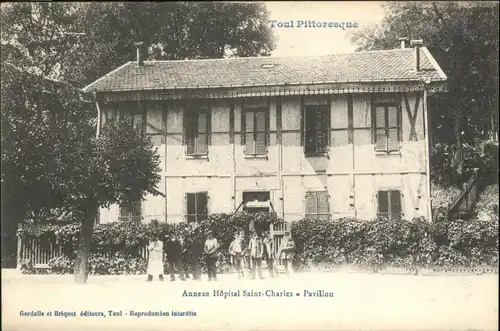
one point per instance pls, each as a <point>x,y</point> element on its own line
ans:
<point>135,211</point>
<point>190,206</point>
<point>310,204</point>
<point>184,125</point>
<point>202,203</point>
<point>383,202</point>
<point>381,140</point>
<point>392,140</point>
<point>380,117</point>
<point>393,134</point>
<point>202,121</point>
<point>302,121</point>
<point>267,128</point>
<point>243,124</point>
<point>260,143</point>
<point>310,130</point>
<point>137,121</point>
<point>260,121</point>
<point>249,132</point>
<point>202,136</point>
<point>123,213</point>
<point>190,131</point>
<point>373,120</point>
<point>323,205</point>
<point>260,136</point>
<point>392,114</point>
<point>209,128</point>
<point>325,128</point>
<point>395,198</point>
<point>328,122</point>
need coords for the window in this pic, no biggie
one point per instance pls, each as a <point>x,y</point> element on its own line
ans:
<point>251,197</point>
<point>197,209</point>
<point>317,205</point>
<point>131,212</point>
<point>316,126</point>
<point>134,115</point>
<point>255,130</point>
<point>389,204</point>
<point>197,130</point>
<point>387,128</point>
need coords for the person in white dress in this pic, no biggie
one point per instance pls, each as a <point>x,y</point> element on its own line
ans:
<point>155,261</point>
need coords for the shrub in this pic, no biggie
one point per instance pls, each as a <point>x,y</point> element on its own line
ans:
<point>487,204</point>
<point>117,247</point>
<point>397,242</point>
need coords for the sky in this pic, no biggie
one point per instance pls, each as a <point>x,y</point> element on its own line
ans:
<point>300,41</point>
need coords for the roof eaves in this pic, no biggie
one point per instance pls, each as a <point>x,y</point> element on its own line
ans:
<point>436,65</point>
<point>88,88</point>
<point>195,87</point>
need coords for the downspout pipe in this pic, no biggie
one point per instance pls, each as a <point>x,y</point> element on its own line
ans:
<point>427,156</point>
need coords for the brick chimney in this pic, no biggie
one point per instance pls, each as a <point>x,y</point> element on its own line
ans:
<point>416,44</point>
<point>403,41</point>
<point>138,47</point>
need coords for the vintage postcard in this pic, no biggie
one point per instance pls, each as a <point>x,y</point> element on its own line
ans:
<point>249,165</point>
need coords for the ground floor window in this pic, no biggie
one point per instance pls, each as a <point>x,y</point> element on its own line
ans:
<point>131,212</point>
<point>317,205</point>
<point>196,206</point>
<point>389,204</point>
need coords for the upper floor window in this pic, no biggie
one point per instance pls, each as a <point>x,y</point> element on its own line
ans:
<point>317,205</point>
<point>197,131</point>
<point>125,111</point>
<point>386,126</point>
<point>389,204</point>
<point>255,129</point>
<point>131,212</point>
<point>196,206</point>
<point>316,119</point>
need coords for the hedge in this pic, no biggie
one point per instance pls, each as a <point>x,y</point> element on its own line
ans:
<point>379,242</point>
<point>343,241</point>
<point>116,246</point>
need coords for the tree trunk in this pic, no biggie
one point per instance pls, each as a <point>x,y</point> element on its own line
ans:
<point>459,151</point>
<point>494,123</point>
<point>82,265</point>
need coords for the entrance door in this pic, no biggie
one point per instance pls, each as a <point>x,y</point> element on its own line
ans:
<point>256,202</point>
<point>259,201</point>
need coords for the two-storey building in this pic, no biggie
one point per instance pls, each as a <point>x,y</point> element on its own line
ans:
<point>343,135</point>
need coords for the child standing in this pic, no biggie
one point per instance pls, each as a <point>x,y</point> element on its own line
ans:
<point>236,252</point>
<point>255,248</point>
<point>211,247</point>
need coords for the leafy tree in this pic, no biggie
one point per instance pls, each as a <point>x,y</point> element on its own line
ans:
<point>119,166</point>
<point>48,162</point>
<point>463,37</point>
<point>48,50</point>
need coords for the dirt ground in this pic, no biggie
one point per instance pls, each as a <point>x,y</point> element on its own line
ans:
<point>359,301</point>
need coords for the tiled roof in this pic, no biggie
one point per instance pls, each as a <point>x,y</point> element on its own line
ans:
<point>387,65</point>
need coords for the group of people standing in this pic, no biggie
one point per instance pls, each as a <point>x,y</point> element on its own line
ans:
<point>260,248</point>
<point>246,258</point>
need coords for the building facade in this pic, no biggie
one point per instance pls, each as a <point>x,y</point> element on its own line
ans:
<point>343,135</point>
